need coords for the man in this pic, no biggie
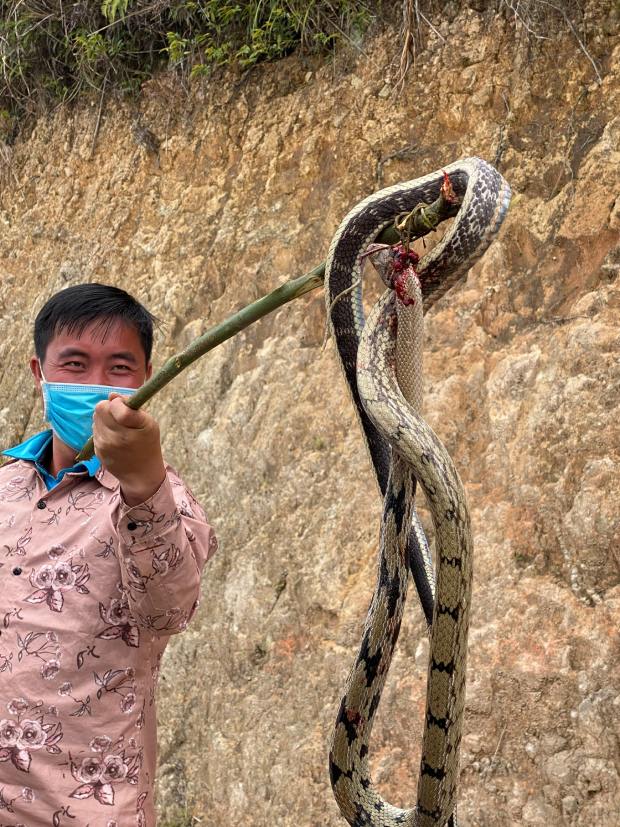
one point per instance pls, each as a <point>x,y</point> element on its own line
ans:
<point>100,563</point>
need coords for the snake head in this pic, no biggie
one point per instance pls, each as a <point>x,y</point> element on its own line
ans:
<point>396,266</point>
<point>380,256</point>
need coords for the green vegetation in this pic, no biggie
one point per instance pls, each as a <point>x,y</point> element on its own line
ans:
<point>52,51</point>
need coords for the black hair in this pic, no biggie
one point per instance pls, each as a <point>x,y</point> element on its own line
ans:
<point>75,308</point>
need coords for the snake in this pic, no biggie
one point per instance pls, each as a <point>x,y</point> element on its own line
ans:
<point>405,452</point>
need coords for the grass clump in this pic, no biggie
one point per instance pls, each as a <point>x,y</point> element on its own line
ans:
<point>52,52</point>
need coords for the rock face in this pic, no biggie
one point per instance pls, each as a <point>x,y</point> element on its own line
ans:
<point>522,376</point>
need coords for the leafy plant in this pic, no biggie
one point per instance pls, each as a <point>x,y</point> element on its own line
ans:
<point>55,51</point>
<point>111,9</point>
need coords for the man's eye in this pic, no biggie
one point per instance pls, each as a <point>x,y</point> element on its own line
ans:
<point>121,367</point>
<point>73,363</point>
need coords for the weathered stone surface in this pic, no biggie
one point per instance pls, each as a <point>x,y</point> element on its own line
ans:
<point>523,381</point>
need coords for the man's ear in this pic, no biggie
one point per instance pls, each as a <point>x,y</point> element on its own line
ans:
<point>149,370</point>
<point>35,367</point>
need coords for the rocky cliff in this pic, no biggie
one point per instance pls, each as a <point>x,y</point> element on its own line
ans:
<point>251,179</point>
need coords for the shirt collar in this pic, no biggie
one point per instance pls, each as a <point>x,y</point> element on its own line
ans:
<point>33,450</point>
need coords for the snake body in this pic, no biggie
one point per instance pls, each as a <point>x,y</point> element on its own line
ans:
<point>405,451</point>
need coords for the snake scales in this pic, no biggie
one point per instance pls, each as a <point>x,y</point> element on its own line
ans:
<point>405,451</point>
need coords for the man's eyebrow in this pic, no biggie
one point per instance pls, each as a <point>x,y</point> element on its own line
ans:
<point>125,355</point>
<point>71,351</point>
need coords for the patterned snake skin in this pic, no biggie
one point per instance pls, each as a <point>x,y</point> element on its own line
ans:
<point>404,450</point>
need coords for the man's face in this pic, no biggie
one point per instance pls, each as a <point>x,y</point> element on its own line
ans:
<point>90,359</point>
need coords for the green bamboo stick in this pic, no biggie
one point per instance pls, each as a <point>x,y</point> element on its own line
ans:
<point>419,223</point>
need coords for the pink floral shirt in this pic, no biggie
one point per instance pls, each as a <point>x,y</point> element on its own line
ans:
<point>91,591</point>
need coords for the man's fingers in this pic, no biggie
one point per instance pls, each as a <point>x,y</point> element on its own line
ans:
<point>105,427</point>
<point>102,414</point>
<point>127,442</point>
<point>115,412</point>
<point>124,415</point>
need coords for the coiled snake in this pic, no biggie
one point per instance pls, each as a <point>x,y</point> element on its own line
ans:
<point>404,450</point>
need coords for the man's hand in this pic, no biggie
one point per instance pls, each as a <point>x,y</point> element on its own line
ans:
<point>127,443</point>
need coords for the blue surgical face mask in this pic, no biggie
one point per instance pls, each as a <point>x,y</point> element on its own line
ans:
<point>69,408</point>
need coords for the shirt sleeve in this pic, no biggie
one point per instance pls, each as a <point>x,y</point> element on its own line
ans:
<point>164,544</point>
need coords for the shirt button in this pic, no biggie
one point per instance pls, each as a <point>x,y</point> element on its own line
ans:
<point>17,570</point>
<point>41,504</point>
<point>132,526</point>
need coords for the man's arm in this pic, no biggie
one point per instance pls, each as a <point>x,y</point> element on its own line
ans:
<point>164,543</point>
<point>164,538</point>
